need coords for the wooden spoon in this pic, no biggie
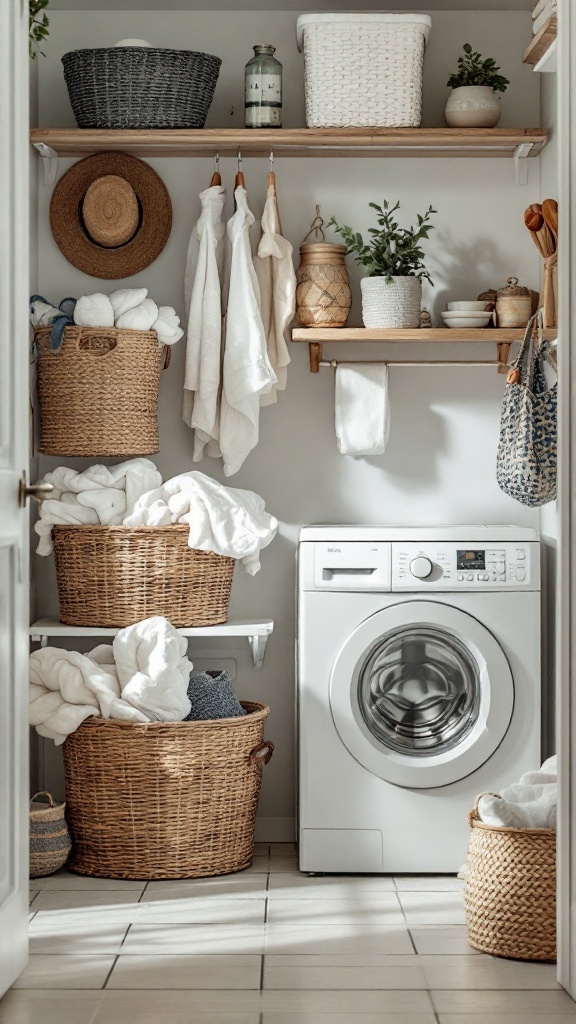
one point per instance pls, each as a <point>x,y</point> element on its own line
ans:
<point>534,221</point>
<point>550,214</point>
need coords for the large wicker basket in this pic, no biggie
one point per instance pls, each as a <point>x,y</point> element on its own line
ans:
<point>164,800</point>
<point>98,393</point>
<point>511,890</point>
<point>117,575</point>
<point>140,87</point>
<point>363,70</point>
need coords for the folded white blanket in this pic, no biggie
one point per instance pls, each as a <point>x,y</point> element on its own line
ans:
<point>226,520</point>
<point>94,311</point>
<point>167,326</point>
<point>530,803</point>
<point>101,495</point>
<point>125,299</point>
<point>143,677</point>
<point>141,317</point>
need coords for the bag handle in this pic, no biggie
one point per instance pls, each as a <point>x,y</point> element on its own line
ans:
<point>263,753</point>
<point>524,364</point>
<point>44,792</point>
<point>473,815</point>
<point>167,356</point>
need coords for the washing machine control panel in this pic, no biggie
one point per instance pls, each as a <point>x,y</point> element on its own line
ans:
<point>465,566</point>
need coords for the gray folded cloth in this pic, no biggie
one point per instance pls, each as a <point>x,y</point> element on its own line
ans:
<point>212,695</point>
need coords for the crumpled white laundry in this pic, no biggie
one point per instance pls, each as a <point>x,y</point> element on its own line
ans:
<point>530,803</point>
<point>101,495</point>
<point>94,311</point>
<point>124,299</point>
<point>140,318</point>
<point>277,280</point>
<point>142,677</point>
<point>202,288</point>
<point>126,308</point>
<point>247,373</point>
<point>362,411</point>
<point>226,520</point>
<point>167,326</point>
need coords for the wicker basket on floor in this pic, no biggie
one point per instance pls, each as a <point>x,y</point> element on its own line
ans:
<point>49,837</point>
<point>511,890</point>
<point>98,393</point>
<point>117,575</point>
<point>163,800</point>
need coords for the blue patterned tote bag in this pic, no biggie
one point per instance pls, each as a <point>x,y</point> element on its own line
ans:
<point>527,452</point>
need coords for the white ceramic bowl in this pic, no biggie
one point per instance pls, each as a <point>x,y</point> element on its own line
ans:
<point>472,320</point>
<point>470,306</point>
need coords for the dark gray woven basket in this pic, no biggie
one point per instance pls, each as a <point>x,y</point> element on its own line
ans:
<point>140,87</point>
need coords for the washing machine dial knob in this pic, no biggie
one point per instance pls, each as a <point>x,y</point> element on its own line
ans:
<point>421,567</point>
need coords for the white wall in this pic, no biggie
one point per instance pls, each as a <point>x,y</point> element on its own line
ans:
<point>439,466</point>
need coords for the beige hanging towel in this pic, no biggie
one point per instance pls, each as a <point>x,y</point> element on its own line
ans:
<point>277,280</point>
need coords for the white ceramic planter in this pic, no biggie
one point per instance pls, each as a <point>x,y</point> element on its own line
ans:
<point>395,305</point>
<point>473,106</point>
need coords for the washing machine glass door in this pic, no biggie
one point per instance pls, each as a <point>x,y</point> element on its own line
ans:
<point>421,694</point>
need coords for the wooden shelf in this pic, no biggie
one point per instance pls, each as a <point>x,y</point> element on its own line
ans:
<point>541,42</point>
<point>294,142</point>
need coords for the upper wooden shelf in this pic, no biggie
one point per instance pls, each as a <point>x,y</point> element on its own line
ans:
<point>419,334</point>
<point>541,42</point>
<point>295,142</point>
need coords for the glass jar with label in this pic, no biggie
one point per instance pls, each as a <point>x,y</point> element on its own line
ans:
<point>263,89</point>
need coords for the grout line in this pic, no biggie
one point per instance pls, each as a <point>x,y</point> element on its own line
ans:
<point>412,941</point>
<point>107,978</point>
<point>262,973</point>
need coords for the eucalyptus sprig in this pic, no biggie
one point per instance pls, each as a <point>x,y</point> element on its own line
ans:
<point>473,69</point>
<point>392,251</point>
<point>38,26</point>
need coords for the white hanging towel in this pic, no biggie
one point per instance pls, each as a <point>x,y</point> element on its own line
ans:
<point>247,373</point>
<point>277,280</point>
<point>362,409</point>
<point>204,309</point>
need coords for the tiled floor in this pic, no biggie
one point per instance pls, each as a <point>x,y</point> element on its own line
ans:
<point>268,946</point>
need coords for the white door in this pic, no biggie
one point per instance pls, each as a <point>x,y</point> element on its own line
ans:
<point>14,418</point>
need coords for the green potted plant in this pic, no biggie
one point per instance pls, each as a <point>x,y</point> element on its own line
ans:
<point>38,25</point>
<point>394,263</point>
<point>475,98</point>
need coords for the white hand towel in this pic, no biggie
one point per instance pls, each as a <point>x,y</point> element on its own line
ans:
<point>362,409</point>
<point>167,326</point>
<point>126,298</point>
<point>94,311</point>
<point>140,318</point>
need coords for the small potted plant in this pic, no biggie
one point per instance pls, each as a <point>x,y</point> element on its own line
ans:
<point>474,101</point>
<point>394,262</point>
<point>38,25</point>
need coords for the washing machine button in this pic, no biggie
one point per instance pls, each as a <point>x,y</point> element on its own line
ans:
<point>520,574</point>
<point>503,578</point>
<point>520,554</point>
<point>460,578</point>
<point>470,577</point>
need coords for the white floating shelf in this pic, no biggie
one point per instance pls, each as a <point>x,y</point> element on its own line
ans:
<point>256,632</point>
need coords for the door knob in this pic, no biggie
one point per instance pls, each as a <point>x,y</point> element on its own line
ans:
<point>39,491</point>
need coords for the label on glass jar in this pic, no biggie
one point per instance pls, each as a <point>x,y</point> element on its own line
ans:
<point>263,101</point>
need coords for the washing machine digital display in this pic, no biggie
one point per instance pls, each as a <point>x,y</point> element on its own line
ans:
<point>470,559</point>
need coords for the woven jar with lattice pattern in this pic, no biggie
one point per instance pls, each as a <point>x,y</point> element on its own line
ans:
<point>323,296</point>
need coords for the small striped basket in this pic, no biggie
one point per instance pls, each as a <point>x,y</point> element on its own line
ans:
<point>49,837</point>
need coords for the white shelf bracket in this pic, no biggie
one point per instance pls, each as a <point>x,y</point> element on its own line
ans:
<point>521,154</point>
<point>258,648</point>
<point>49,159</point>
<point>38,638</point>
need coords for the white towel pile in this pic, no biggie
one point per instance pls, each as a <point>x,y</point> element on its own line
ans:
<point>129,308</point>
<point>530,803</point>
<point>142,677</point>
<point>544,10</point>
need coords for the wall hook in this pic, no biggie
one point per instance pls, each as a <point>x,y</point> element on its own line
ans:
<point>239,182</point>
<point>216,177</point>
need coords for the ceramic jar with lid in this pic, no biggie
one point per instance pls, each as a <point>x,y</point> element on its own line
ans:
<point>323,296</point>
<point>513,305</point>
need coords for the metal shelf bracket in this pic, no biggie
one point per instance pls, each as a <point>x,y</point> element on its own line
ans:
<point>258,648</point>
<point>49,159</point>
<point>521,154</point>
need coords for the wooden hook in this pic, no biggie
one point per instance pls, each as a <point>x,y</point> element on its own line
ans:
<point>503,351</point>
<point>315,356</point>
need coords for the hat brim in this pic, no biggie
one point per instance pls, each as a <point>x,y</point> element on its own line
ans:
<point>68,230</point>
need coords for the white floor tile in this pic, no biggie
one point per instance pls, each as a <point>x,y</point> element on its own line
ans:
<point>363,908</point>
<point>283,850</point>
<point>48,934</point>
<point>289,885</point>
<point>392,972</point>
<point>547,1004</point>
<point>432,908</point>
<point>311,1017</point>
<point>186,972</point>
<point>128,1006</point>
<point>210,939</point>
<point>442,939</point>
<point>34,1006</point>
<point>342,940</point>
<point>31,898</point>
<point>505,1018</point>
<point>428,883</point>
<point>259,866</point>
<point>234,886</point>
<point>350,1002</point>
<point>278,863</point>
<point>71,900</point>
<point>67,880</point>
<point>486,972</point>
<point>201,911</point>
<point>65,971</point>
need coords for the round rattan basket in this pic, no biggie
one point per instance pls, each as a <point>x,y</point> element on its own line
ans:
<point>163,800</point>
<point>511,890</point>
<point>49,837</point>
<point>98,393</point>
<point>116,575</point>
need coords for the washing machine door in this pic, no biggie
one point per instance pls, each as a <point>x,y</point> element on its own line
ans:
<point>421,694</point>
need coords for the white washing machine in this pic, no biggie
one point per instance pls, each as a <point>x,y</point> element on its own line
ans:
<point>418,688</point>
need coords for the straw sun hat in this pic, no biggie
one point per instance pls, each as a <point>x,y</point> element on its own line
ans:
<point>111,215</point>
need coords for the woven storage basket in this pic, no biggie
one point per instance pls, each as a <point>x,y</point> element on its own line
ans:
<point>363,70</point>
<point>98,394</point>
<point>165,800</point>
<point>140,87</point>
<point>49,837</point>
<point>511,890</point>
<point>117,575</point>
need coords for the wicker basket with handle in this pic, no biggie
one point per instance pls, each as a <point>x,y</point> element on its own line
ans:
<point>49,837</point>
<point>98,393</point>
<point>165,800</point>
<point>116,575</point>
<point>511,890</point>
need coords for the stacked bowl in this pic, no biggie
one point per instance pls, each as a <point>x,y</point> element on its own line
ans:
<point>468,314</point>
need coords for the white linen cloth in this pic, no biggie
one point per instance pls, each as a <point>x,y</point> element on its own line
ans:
<point>277,280</point>
<point>142,677</point>
<point>202,288</point>
<point>167,326</point>
<point>140,317</point>
<point>362,408</point>
<point>101,495</point>
<point>530,803</point>
<point>550,11</point>
<point>247,373</point>
<point>94,311</point>
<point>226,520</point>
<point>540,6</point>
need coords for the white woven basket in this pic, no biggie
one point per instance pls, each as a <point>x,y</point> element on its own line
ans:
<point>394,306</point>
<point>363,70</point>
